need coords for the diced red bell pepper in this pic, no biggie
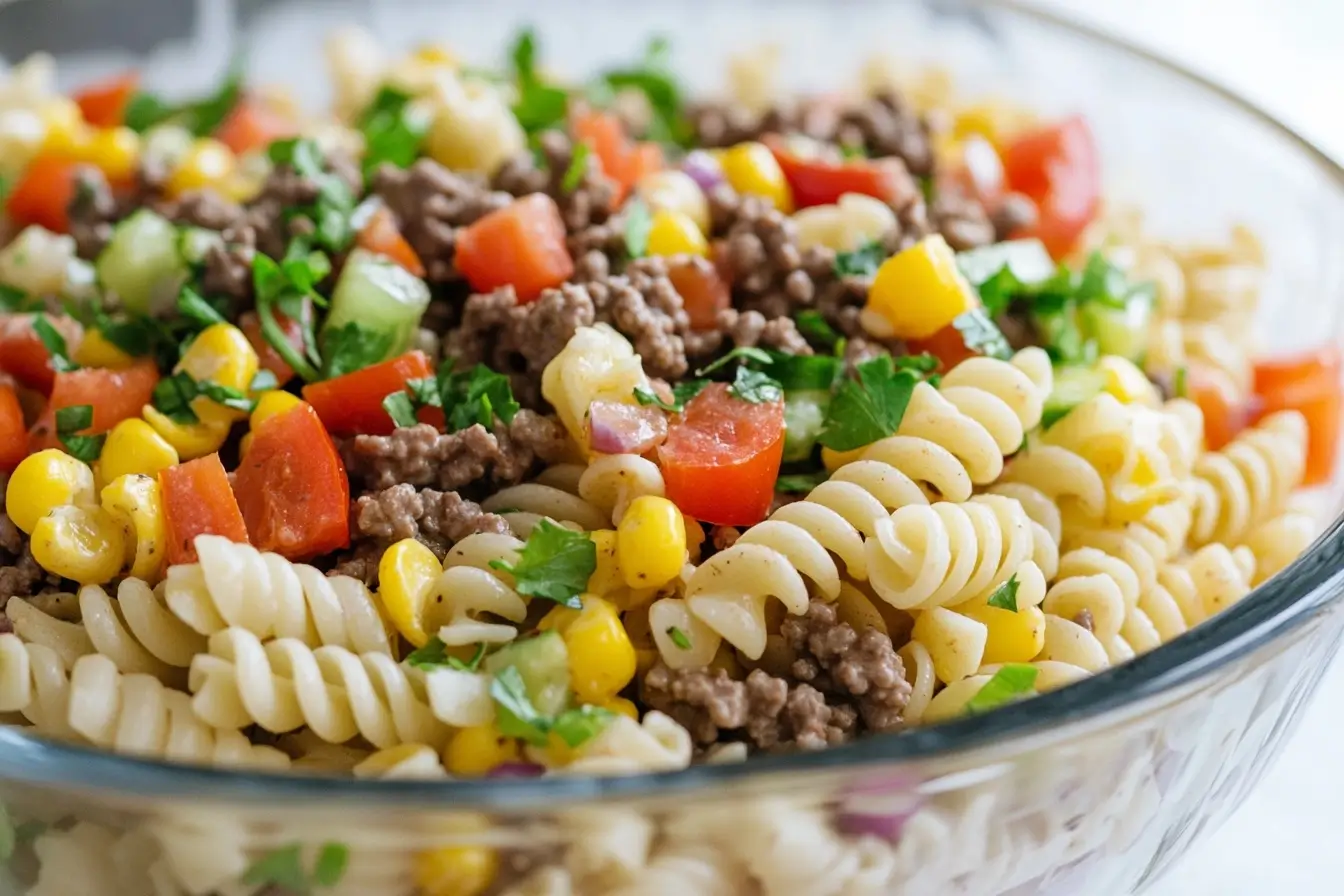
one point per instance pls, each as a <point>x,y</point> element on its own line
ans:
<point>13,434</point>
<point>1308,383</point>
<point>43,193</point>
<point>114,395</point>
<point>521,245</point>
<point>252,124</point>
<point>948,345</point>
<point>267,356</point>
<point>1225,412</point>
<point>1057,166</point>
<point>382,236</point>
<point>197,500</point>
<point>103,103</point>
<point>823,181</point>
<point>353,404</point>
<point>722,457</point>
<point>24,356</point>
<point>291,487</point>
<point>623,160</point>
<point>703,292</point>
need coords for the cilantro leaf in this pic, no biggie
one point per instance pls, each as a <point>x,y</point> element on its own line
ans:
<point>73,419</point>
<point>288,288</point>
<point>921,363</point>
<point>681,393</point>
<point>741,352</point>
<point>1005,596</point>
<point>982,335</point>
<point>1012,682</point>
<point>868,408</point>
<point>522,719</point>
<point>433,655</point>
<point>229,397</point>
<point>816,330</point>
<point>331,210</point>
<point>55,345</point>
<point>173,395</point>
<point>400,408</point>
<point>755,387</point>
<point>678,637</point>
<point>578,167</point>
<point>579,725</point>
<point>16,301</point>
<point>653,78</point>
<point>394,130</point>
<point>69,421</point>
<point>201,116</point>
<point>638,225</point>
<point>352,346</point>
<point>556,564</point>
<point>475,396</point>
<point>796,373</point>
<point>332,859</point>
<point>539,106</point>
<point>197,309</point>
<point>861,262</point>
<point>799,483</point>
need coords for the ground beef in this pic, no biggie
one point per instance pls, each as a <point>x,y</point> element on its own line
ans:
<point>360,561</point>
<point>270,213</point>
<point>961,220</point>
<point>886,125</point>
<point>430,203</point>
<point>437,519</point>
<point>749,328</point>
<point>421,455</point>
<point>724,537</point>
<point>589,202</point>
<point>717,123</point>
<point>206,209</point>
<point>227,269</point>
<point>93,211</point>
<point>1014,213</point>
<point>20,576</point>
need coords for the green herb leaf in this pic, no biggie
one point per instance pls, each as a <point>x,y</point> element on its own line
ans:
<point>678,637</point>
<point>229,397</point>
<point>556,564</point>
<point>851,151</point>
<point>796,373</point>
<point>173,395</point>
<point>432,656</point>
<point>755,387</point>
<point>332,859</point>
<point>681,393</point>
<point>6,185</point>
<point>1005,596</point>
<point>742,352</point>
<point>69,421</point>
<point>330,211</point>
<point>264,381</point>
<point>862,262</point>
<point>869,407</point>
<point>393,129</point>
<point>1180,384</point>
<point>400,408</point>
<point>55,345</point>
<point>579,725</point>
<point>816,330</point>
<point>475,396</point>
<point>280,867</point>
<point>1012,682</point>
<point>276,290</point>
<point>202,116</point>
<point>522,719</point>
<point>638,226</point>
<point>352,346</point>
<point>539,106</point>
<point>800,483</point>
<point>16,301</point>
<point>982,335</point>
<point>197,309</point>
<point>85,448</point>
<point>921,363</point>
<point>653,77</point>
<point>578,167</point>
<point>73,419</point>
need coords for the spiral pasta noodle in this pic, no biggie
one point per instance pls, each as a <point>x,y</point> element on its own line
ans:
<point>611,482</point>
<point>1278,541</point>
<point>596,364</point>
<point>284,684</point>
<point>404,761</point>
<point>235,585</point>
<point>137,714</point>
<point>654,744</point>
<point>554,495</point>
<point>36,682</point>
<point>1249,480</point>
<point>469,586</point>
<point>1209,581</point>
<point>686,868</point>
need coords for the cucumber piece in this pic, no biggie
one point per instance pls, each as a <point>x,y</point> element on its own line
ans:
<point>1119,331</point>
<point>380,295</point>
<point>543,663</point>
<point>1073,386</point>
<point>804,414</point>
<point>1027,259</point>
<point>141,264</point>
<point>194,242</point>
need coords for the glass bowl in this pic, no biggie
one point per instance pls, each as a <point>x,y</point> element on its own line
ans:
<point>1096,788</point>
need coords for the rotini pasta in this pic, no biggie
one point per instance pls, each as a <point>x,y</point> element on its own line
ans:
<point>36,682</point>
<point>611,481</point>
<point>469,586</point>
<point>654,744</point>
<point>1249,480</point>
<point>1278,541</point>
<point>596,364</point>
<point>404,761</point>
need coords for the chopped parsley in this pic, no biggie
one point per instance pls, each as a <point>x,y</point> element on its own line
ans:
<point>55,345</point>
<point>290,288</point>
<point>201,116</point>
<point>755,387</point>
<point>194,307</point>
<point>394,130</point>
<point>540,106</point>
<point>352,346</point>
<point>478,395</point>
<point>981,335</point>
<point>678,637</point>
<point>681,393</point>
<point>921,363</point>
<point>868,407</point>
<point>400,408</point>
<point>434,655</point>
<point>653,77</point>
<point>578,167</point>
<point>330,212</point>
<point>1005,596</point>
<point>581,724</point>
<point>1180,383</point>
<point>861,262</point>
<point>69,421</point>
<point>796,373</point>
<point>522,719</point>
<point>816,330</point>
<point>800,483</point>
<point>742,352</point>
<point>1012,682</point>
<point>556,564</point>
<point>638,225</point>
<point>174,394</point>
<point>16,301</point>
<point>283,868</point>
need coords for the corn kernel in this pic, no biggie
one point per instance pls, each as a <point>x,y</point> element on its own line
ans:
<point>134,447</point>
<point>1014,637</point>
<point>919,291</point>
<point>85,544</point>
<point>606,577</point>
<point>222,355</point>
<point>456,870</point>
<point>67,132</point>
<point>621,706</point>
<point>206,164</point>
<point>673,233</point>
<point>476,750</point>
<point>45,480</point>
<point>675,191</point>
<point>650,542</point>
<point>135,501</point>
<point>116,151</point>
<point>189,440</point>
<point>752,168</point>
<point>95,351</point>
<point>406,576</point>
<point>601,657</point>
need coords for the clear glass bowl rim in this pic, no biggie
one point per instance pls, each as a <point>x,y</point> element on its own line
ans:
<point>1283,605</point>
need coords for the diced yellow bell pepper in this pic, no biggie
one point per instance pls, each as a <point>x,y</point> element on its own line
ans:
<point>650,542</point>
<point>407,572</point>
<point>456,870</point>
<point>208,163</point>
<point>189,440</point>
<point>752,168</point>
<point>673,233</point>
<point>1013,637</point>
<point>116,151</point>
<point>85,544</point>
<point>476,750</point>
<point>135,501</point>
<point>45,480</point>
<point>601,656</point>
<point>67,132</point>
<point>134,447</point>
<point>919,291</point>
<point>95,351</point>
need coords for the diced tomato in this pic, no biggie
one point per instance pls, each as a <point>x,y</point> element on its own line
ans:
<point>103,103</point>
<point>13,434</point>
<point>623,160</point>
<point>703,292</point>
<point>948,345</point>
<point>722,456</point>
<point>353,404</point>
<point>1057,166</point>
<point>291,487</point>
<point>1310,384</point>
<point>114,395</point>
<point>43,193</point>
<point>521,245</point>
<point>197,500</point>
<point>22,354</point>
<point>1225,412</point>
<point>381,235</point>
<point>269,358</point>
<point>252,124</point>
<point>823,181</point>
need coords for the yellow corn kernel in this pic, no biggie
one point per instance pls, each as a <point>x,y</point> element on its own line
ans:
<point>406,576</point>
<point>833,460</point>
<point>1013,637</point>
<point>50,478</point>
<point>1127,382</point>
<point>601,657</point>
<point>476,750</point>
<point>85,544</point>
<point>919,291</point>
<point>991,121</point>
<point>222,355</point>
<point>189,440</point>
<point>673,233</point>
<point>456,870</point>
<point>114,150</point>
<point>752,168</point>
<point>95,351</point>
<point>134,447</point>
<point>67,132</point>
<point>675,191</point>
<point>135,501</point>
<point>606,577</point>
<point>650,542</point>
<point>621,706</point>
<point>207,164</point>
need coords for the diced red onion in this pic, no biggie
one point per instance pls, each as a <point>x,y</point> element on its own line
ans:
<point>616,428</point>
<point>704,169</point>
<point>881,808</point>
<point>516,770</point>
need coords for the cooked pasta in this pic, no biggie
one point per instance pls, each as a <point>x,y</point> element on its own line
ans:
<point>1249,480</point>
<point>554,495</point>
<point>35,681</point>
<point>597,364</point>
<point>611,481</point>
<point>470,587</point>
<point>654,744</point>
<point>404,761</point>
